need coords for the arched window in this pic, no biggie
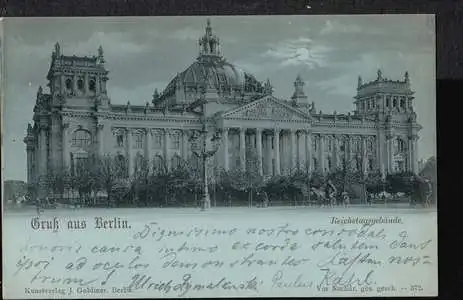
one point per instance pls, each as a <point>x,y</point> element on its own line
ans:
<point>175,162</point>
<point>370,164</point>
<point>80,84</point>
<point>402,102</point>
<point>370,146</point>
<point>140,163</point>
<point>69,84</point>
<point>401,145</point>
<point>158,164</point>
<point>92,85</point>
<point>81,138</point>
<point>120,140</point>
<point>330,163</point>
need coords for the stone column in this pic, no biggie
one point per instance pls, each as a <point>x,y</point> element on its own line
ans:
<point>185,145</point>
<point>243,149</point>
<point>308,149</point>
<point>62,84</point>
<point>129,136</point>
<point>85,83</point>
<point>364,154</point>
<point>293,143</point>
<point>43,150</point>
<point>65,148</point>
<point>415,154</point>
<point>259,150</point>
<point>148,145</point>
<point>268,155</point>
<point>100,128</point>
<point>226,165</point>
<point>389,153</point>
<point>276,149</point>
<point>336,150</point>
<point>74,84</point>
<point>43,161</point>
<point>321,154</point>
<point>29,151</point>
<point>167,147</point>
<point>301,154</point>
<point>97,84</point>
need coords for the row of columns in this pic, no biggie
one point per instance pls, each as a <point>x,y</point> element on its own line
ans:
<point>411,153</point>
<point>270,158</point>
<point>301,147</point>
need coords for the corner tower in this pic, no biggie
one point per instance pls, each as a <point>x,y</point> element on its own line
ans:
<point>73,80</point>
<point>384,96</point>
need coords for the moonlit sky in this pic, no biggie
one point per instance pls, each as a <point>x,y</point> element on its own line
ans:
<point>329,52</point>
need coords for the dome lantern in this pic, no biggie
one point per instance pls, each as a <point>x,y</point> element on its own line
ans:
<point>209,43</point>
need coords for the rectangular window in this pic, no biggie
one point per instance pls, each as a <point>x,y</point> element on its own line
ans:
<point>139,141</point>
<point>402,102</point>
<point>175,142</point>
<point>120,140</point>
<point>157,141</point>
<point>388,101</point>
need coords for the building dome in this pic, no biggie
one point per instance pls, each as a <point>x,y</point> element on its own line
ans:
<point>212,71</point>
<point>217,73</point>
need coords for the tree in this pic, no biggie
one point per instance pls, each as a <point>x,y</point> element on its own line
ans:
<point>399,182</point>
<point>374,182</point>
<point>13,190</point>
<point>108,170</point>
<point>429,171</point>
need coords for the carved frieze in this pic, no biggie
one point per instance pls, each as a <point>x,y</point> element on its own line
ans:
<point>265,109</point>
<point>118,131</point>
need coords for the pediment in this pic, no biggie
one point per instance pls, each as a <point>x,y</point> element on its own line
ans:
<point>267,108</point>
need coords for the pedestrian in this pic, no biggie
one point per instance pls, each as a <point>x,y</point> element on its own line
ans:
<point>331,193</point>
<point>415,190</point>
<point>37,204</point>
<point>345,199</point>
<point>369,199</point>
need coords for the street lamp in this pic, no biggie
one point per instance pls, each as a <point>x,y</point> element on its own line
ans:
<point>203,152</point>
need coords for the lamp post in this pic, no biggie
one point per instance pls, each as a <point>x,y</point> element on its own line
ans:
<point>203,152</point>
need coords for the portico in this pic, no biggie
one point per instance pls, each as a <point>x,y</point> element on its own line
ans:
<point>270,151</point>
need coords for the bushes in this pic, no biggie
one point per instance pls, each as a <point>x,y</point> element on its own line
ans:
<point>182,186</point>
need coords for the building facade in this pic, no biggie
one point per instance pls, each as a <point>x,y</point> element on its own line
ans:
<point>76,120</point>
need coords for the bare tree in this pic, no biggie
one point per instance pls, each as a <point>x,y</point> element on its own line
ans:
<point>108,172</point>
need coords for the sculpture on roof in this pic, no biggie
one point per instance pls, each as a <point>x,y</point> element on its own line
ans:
<point>268,88</point>
<point>57,49</point>
<point>156,96</point>
<point>380,75</point>
<point>100,55</point>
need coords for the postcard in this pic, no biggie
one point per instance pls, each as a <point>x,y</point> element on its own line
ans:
<point>193,157</point>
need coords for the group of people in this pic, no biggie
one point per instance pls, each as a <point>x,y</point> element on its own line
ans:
<point>327,194</point>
